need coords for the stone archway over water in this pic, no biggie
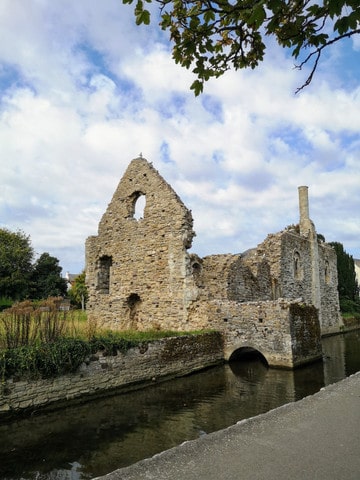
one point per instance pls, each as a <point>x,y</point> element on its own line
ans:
<point>247,354</point>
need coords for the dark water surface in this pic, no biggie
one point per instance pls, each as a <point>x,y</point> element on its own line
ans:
<point>84,441</point>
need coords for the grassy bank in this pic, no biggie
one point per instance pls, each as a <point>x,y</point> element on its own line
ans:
<point>39,340</point>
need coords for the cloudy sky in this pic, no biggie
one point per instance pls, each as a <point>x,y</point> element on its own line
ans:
<point>83,91</point>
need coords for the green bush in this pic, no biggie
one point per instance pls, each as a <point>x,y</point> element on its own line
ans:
<point>65,354</point>
<point>5,303</point>
<point>349,306</point>
<point>111,342</point>
<point>44,360</point>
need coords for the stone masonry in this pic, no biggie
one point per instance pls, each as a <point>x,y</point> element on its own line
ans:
<point>277,298</point>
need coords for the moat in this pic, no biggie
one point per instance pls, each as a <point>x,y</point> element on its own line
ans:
<point>84,441</point>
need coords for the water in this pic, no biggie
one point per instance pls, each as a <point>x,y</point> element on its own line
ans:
<point>84,441</point>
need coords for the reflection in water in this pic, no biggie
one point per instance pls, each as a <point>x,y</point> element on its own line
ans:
<point>88,440</point>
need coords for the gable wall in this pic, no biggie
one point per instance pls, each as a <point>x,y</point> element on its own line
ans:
<point>150,271</point>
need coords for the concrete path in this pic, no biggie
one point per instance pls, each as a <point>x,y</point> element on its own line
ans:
<point>317,438</point>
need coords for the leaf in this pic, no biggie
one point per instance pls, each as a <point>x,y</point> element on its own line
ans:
<point>342,25</point>
<point>257,17</point>
<point>335,7</point>
<point>198,87</point>
<point>143,17</point>
<point>209,16</point>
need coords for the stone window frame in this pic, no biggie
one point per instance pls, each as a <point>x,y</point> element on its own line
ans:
<point>103,273</point>
<point>327,272</point>
<point>133,303</point>
<point>134,212</point>
<point>297,266</point>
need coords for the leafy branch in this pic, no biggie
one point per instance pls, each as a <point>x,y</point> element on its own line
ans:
<point>210,37</point>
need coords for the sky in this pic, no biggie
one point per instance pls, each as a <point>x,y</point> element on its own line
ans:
<point>83,91</point>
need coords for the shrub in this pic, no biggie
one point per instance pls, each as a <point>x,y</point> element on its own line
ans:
<point>44,360</point>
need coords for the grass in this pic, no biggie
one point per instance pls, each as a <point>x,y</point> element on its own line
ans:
<point>38,340</point>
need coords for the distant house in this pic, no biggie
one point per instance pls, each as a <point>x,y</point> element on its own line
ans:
<point>70,278</point>
<point>357,270</point>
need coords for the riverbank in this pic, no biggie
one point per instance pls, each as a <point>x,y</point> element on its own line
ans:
<point>315,438</point>
<point>103,374</point>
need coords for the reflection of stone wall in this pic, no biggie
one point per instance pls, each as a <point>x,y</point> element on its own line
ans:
<point>152,361</point>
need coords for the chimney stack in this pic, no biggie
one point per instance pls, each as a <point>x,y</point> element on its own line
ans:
<point>303,203</point>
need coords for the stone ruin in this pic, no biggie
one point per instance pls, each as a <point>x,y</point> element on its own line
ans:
<point>276,298</point>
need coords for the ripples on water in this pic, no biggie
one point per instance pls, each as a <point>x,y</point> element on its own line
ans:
<point>89,440</point>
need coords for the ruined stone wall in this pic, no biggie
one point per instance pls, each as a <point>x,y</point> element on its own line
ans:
<point>331,319</point>
<point>148,281</point>
<point>229,277</point>
<point>289,259</point>
<point>142,365</point>
<point>140,275</point>
<point>287,333</point>
<point>296,267</point>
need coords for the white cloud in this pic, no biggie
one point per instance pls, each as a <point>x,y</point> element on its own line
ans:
<point>83,91</point>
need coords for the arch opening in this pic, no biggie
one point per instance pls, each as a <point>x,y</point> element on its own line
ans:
<point>133,304</point>
<point>247,354</point>
<point>103,269</point>
<point>139,207</point>
<point>297,266</point>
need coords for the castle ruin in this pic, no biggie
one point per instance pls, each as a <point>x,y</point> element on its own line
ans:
<point>278,298</point>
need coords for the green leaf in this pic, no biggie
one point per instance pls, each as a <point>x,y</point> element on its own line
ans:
<point>335,7</point>
<point>143,17</point>
<point>209,16</point>
<point>257,17</point>
<point>342,25</point>
<point>198,87</point>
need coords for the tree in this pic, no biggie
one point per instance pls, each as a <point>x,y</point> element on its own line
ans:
<point>212,36</point>
<point>16,255</point>
<point>347,285</point>
<point>78,292</point>
<point>46,278</point>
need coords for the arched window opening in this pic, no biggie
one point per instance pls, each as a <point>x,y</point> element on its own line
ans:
<point>297,266</point>
<point>103,274</point>
<point>139,205</point>
<point>133,304</point>
<point>327,272</point>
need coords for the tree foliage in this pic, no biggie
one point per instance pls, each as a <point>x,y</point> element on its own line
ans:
<point>20,278</point>
<point>78,292</point>
<point>46,278</point>
<point>212,36</point>
<point>347,284</point>
<point>16,255</point>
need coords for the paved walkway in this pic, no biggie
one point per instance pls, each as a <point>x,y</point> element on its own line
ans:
<point>317,438</point>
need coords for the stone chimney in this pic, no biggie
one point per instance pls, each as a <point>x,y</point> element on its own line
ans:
<point>307,228</point>
<point>306,224</point>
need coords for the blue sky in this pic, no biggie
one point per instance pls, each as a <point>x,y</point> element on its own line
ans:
<point>83,91</point>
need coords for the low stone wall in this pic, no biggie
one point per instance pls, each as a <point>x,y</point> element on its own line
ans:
<point>151,361</point>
